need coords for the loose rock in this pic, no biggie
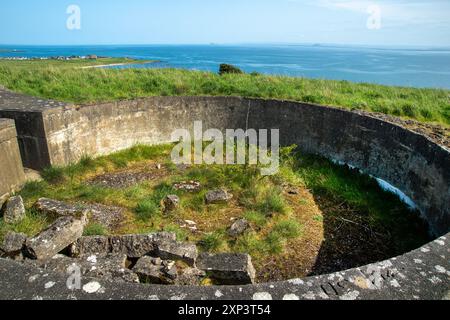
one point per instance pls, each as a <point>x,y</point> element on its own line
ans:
<point>238,227</point>
<point>171,202</point>
<point>13,244</point>
<point>14,211</point>
<point>228,268</point>
<point>55,238</point>
<point>218,196</point>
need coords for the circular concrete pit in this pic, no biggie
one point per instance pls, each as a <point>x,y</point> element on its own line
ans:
<point>57,134</point>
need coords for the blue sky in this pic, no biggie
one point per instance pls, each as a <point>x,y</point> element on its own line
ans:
<point>412,23</point>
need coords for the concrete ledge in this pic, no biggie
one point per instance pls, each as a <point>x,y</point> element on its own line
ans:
<point>419,275</point>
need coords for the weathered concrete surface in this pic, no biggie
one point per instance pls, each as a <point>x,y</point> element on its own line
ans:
<point>56,133</point>
<point>421,274</point>
<point>27,112</point>
<point>108,216</point>
<point>12,175</point>
<point>133,245</point>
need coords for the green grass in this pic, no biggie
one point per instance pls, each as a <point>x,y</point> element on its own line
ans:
<point>278,221</point>
<point>288,229</point>
<point>212,241</point>
<point>95,229</point>
<point>31,225</point>
<point>67,82</point>
<point>147,209</point>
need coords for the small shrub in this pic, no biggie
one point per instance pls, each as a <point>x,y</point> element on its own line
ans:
<point>94,229</point>
<point>180,233</point>
<point>212,241</point>
<point>53,175</point>
<point>288,229</point>
<point>274,243</point>
<point>273,202</point>
<point>256,217</point>
<point>228,68</point>
<point>146,209</point>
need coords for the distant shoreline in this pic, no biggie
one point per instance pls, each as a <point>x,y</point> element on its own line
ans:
<point>118,64</point>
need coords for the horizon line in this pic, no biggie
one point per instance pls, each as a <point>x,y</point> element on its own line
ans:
<point>237,44</point>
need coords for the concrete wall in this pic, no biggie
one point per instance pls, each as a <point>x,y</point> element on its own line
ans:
<point>11,170</point>
<point>407,160</point>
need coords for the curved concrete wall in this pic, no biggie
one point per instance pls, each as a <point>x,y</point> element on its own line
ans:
<point>57,134</point>
<point>407,160</point>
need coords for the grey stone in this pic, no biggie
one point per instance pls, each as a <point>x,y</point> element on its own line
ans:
<point>14,211</point>
<point>170,269</point>
<point>218,196</point>
<point>13,243</point>
<point>228,268</point>
<point>173,250</point>
<point>134,246</point>
<point>238,227</point>
<point>90,245</point>
<point>171,202</point>
<point>55,238</point>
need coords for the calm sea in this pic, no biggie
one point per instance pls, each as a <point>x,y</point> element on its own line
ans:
<point>404,67</point>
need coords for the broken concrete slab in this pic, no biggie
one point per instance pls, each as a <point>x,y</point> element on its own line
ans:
<point>134,246</point>
<point>218,196</point>
<point>14,210</point>
<point>13,243</point>
<point>228,268</point>
<point>89,245</point>
<point>173,250</point>
<point>108,216</point>
<point>55,238</point>
<point>57,208</point>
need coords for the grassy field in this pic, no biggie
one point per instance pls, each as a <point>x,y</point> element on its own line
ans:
<point>67,81</point>
<point>335,214</point>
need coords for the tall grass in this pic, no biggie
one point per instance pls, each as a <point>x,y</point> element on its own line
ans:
<point>58,81</point>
